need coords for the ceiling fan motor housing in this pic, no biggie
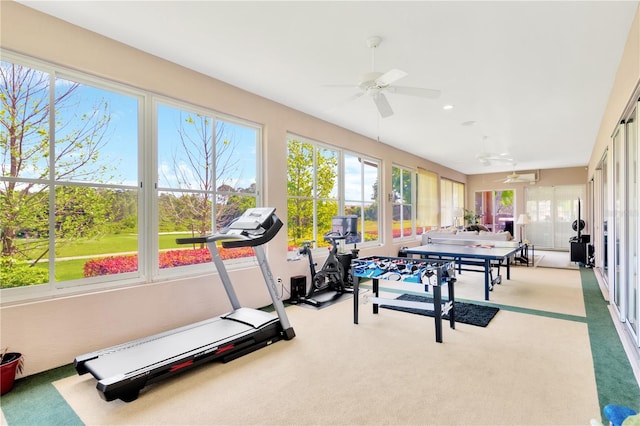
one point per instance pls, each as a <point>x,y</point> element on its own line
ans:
<point>368,80</point>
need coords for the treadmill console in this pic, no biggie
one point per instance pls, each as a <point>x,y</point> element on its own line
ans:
<point>256,226</point>
<point>253,221</point>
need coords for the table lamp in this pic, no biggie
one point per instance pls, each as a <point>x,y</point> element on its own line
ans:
<point>457,213</point>
<point>523,220</point>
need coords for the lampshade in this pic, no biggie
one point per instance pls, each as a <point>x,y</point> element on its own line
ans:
<point>523,219</point>
<point>458,213</point>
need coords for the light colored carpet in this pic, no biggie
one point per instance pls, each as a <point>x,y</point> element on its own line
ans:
<point>551,290</point>
<point>523,369</point>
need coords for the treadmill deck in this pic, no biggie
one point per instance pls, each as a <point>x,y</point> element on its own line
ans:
<point>164,348</point>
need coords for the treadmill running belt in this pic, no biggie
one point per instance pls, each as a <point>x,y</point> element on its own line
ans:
<point>146,353</point>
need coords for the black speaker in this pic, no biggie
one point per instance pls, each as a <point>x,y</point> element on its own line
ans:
<point>298,287</point>
<point>578,252</point>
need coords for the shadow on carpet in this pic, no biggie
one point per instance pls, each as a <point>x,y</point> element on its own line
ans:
<point>325,299</point>
<point>557,260</point>
<point>467,313</point>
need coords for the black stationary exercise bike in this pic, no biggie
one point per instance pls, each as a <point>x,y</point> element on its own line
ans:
<point>333,279</point>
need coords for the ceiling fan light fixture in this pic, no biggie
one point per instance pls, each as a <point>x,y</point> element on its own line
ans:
<point>368,80</point>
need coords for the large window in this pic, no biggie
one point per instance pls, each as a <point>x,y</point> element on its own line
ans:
<point>451,202</point>
<point>427,201</point>
<point>323,182</point>
<point>69,189</point>
<point>361,194</point>
<point>402,181</point>
<point>206,178</point>
<point>84,186</point>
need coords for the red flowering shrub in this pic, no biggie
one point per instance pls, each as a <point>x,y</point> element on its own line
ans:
<point>236,253</point>
<point>172,258</point>
<point>111,265</point>
<point>397,233</point>
<point>167,259</point>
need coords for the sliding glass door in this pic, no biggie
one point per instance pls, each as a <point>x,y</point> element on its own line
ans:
<point>551,211</point>
<point>631,272</point>
<point>623,276</point>
<point>616,204</point>
<point>495,210</point>
<point>605,210</point>
<point>619,206</point>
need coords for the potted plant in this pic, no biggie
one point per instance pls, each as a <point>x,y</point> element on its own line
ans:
<point>470,217</point>
<point>11,363</point>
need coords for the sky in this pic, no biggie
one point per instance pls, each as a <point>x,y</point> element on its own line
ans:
<point>120,153</point>
<point>122,143</point>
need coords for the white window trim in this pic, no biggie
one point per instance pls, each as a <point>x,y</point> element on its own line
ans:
<point>148,268</point>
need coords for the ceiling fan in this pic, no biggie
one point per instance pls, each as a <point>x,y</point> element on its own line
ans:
<point>375,84</point>
<point>486,158</point>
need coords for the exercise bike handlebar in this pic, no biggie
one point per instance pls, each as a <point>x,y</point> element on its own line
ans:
<point>333,235</point>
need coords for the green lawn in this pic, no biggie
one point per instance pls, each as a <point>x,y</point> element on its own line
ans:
<point>108,245</point>
<point>117,243</point>
<point>112,244</point>
<point>66,269</point>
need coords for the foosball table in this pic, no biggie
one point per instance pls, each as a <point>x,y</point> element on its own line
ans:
<point>425,274</point>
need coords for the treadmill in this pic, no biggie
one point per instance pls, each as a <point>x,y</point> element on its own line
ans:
<point>123,370</point>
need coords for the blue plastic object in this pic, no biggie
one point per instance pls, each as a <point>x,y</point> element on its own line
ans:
<point>616,414</point>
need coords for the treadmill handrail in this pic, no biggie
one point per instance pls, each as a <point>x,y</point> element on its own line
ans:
<point>243,239</point>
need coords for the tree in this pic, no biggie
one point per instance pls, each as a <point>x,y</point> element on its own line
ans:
<point>27,158</point>
<point>195,147</point>
<point>303,192</point>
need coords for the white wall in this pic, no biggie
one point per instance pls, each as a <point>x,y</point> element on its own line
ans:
<point>627,79</point>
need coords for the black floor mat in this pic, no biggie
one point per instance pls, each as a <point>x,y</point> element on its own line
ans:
<point>467,313</point>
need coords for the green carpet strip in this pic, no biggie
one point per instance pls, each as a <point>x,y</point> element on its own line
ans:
<point>35,401</point>
<point>614,376</point>
<point>554,315</point>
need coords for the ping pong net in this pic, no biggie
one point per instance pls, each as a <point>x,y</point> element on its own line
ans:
<point>487,244</point>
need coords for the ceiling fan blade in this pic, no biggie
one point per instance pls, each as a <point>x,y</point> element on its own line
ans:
<point>353,97</point>
<point>390,77</point>
<point>348,86</point>
<point>348,100</point>
<point>383,105</point>
<point>415,91</point>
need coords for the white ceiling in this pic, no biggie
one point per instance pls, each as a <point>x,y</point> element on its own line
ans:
<point>532,77</point>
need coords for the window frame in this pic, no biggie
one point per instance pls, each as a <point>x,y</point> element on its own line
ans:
<point>340,191</point>
<point>398,200</point>
<point>451,201</point>
<point>53,288</point>
<point>427,200</point>
<point>187,270</point>
<point>146,186</point>
<point>363,202</point>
